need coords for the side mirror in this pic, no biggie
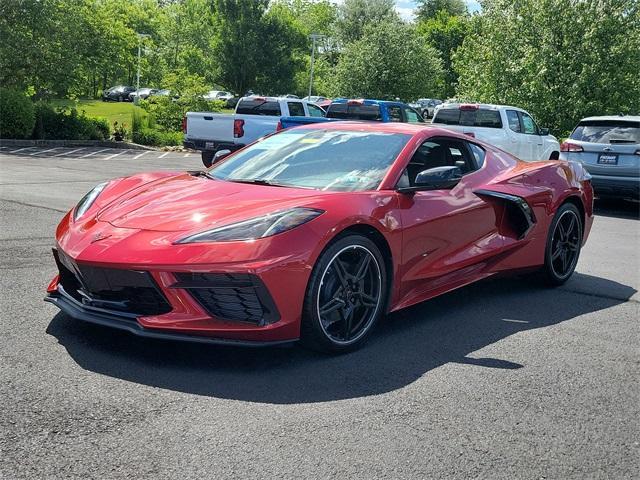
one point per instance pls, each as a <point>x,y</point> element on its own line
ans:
<point>220,154</point>
<point>438,178</point>
<point>543,131</point>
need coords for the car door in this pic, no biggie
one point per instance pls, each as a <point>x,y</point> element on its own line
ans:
<point>445,232</point>
<point>533,139</point>
<point>518,145</point>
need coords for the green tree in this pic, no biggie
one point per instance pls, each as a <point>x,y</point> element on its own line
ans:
<point>446,33</point>
<point>390,60</point>
<point>355,15</point>
<point>516,54</point>
<point>428,9</point>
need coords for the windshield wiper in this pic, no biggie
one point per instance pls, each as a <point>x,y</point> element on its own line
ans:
<point>202,173</point>
<point>621,140</point>
<point>257,181</point>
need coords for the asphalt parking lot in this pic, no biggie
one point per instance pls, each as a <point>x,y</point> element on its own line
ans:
<point>503,379</point>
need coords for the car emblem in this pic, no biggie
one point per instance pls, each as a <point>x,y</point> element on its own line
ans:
<point>99,236</point>
<point>607,149</point>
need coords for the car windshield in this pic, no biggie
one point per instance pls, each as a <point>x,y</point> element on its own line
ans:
<point>333,160</point>
<point>607,131</point>
<point>354,111</point>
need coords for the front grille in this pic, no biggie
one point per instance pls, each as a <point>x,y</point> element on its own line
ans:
<point>127,291</point>
<point>230,296</point>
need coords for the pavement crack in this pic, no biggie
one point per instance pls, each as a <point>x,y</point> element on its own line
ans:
<point>25,204</point>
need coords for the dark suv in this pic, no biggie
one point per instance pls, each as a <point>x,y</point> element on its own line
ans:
<point>119,93</point>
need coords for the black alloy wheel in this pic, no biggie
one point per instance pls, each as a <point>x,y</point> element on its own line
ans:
<point>563,244</point>
<point>346,295</point>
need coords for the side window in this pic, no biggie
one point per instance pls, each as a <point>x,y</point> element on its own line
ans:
<point>412,116</point>
<point>395,113</point>
<point>514,121</point>
<point>478,154</point>
<point>528,124</point>
<point>439,152</point>
<point>296,109</point>
<point>315,111</point>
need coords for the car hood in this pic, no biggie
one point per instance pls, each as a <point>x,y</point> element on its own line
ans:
<point>185,203</point>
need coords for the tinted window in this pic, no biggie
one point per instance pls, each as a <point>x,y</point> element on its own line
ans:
<point>258,107</point>
<point>439,152</point>
<point>478,153</point>
<point>315,111</point>
<point>528,124</point>
<point>395,113</point>
<point>514,121</point>
<point>481,117</point>
<point>607,131</point>
<point>354,112</point>
<point>412,116</point>
<point>321,159</point>
<point>295,109</point>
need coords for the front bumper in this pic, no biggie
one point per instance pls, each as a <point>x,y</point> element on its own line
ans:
<point>111,319</point>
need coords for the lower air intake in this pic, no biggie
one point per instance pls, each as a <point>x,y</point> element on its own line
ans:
<point>231,296</point>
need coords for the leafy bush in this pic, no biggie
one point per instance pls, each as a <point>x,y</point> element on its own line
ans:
<point>167,113</point>
<point>67,124</point>
<point>16,114</point>
<point>157,138</point>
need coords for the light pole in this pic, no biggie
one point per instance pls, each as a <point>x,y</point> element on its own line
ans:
<point>141,37</point>
<point>313,37</point>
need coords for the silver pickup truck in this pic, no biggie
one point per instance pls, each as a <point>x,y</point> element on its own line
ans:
<point>254,117</point>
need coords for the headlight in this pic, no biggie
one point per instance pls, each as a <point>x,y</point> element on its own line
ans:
<point>256,227</point>
<point>87,201</point>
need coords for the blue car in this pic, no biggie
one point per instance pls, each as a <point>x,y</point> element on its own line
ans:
<point>359,109</point>
<point>609,149</point>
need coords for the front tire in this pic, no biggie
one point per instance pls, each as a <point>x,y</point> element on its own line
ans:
<point>207,158</point>
<point>345,297</point>
<point>564,242</point>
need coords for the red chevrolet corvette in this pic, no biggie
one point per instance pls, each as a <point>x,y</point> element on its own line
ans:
<point>313,234</point>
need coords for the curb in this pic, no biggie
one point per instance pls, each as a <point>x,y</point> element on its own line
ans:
<point>73,143</point>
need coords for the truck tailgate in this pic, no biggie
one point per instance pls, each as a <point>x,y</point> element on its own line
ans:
<point>216,127</point>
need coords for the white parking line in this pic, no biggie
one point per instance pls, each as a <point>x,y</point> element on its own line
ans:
<point>21,149</point>
<point>45,151</point>
<point>114,155</point>
<point>93,153</point>
<point>140,154</point>
<point>164,154</point>
<point>69,153</point>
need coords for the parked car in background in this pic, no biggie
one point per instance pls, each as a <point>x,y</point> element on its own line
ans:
<point>359,109</point>
<point>217,95</point>
<point>142,94</point>
<point>315,99</point>
<point>609,149</point>
<point>254,117</point>
<point>426,106</point>
<point>119,93</point>
<point>509,128</point>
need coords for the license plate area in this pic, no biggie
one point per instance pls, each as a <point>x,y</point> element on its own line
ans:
<point>210,145</point>
<point>608,159</point>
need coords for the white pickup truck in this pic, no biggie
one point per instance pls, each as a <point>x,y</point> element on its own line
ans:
<point>254,117</point>
<point>509,128</point>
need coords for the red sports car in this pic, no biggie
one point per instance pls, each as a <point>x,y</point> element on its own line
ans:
<point>313,234</point>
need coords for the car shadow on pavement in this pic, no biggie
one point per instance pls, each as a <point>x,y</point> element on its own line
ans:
<point>403,348</point>
<point>617,208</point>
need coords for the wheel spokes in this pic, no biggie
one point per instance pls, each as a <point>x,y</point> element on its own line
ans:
<point>331,306</point>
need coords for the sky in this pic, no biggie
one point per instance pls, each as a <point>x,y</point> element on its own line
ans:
<point>406,7</point>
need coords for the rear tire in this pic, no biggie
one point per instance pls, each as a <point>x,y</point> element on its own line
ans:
<point>564,242</point>
<point>346,296</point>
<point>207,158</point>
